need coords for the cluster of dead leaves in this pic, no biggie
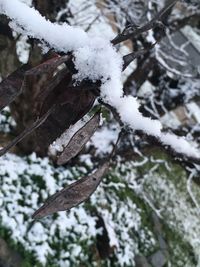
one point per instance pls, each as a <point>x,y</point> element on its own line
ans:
<point>58,104</point>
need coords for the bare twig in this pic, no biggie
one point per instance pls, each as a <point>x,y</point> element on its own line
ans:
<point>132,56</point>
<point>27,131</point>
<point>133,32</point>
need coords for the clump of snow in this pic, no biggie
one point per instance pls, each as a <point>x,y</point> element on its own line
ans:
<point>129,113</point>
<point>6,121</point>
<point>146,89</point>
<point>180,144</point>
<point>23,49</point>
<point>95,59</point>
<point>29,21</point>
<point>103,139</point>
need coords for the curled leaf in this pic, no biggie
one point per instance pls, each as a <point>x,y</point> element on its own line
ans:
<point>79,139</point>
<point>73,194</point>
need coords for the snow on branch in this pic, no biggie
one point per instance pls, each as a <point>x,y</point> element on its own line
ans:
<point>95,59</point>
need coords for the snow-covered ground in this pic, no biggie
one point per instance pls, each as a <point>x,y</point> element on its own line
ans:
<point>27,182</point>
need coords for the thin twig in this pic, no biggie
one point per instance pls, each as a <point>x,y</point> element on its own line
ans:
<point>27,131</point>
<point>132,56</point>
<point>133,32</point>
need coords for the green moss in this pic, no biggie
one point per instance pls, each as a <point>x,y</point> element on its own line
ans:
<point>181,253</point>
<point>125,193</point>
<point>29,259</point>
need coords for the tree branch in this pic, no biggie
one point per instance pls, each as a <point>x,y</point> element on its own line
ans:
<point>131,31</point>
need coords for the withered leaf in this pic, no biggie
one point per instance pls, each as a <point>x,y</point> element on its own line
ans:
<point>48,66</point>
<point>79,139</point>
<point>40,79</point>
<point>72,105</point>
<point>11,87</point>
<point>73,194</point>
<point>46,86</point>
<point>52,88</point>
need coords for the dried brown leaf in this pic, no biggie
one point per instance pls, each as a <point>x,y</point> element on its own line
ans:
<point>11,87</point>
<point>73,194</point>
<point>79,139</point>
<point>72,105</point>
<point>40,79</point>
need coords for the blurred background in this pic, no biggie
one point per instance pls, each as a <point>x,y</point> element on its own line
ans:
<point>146,211</point>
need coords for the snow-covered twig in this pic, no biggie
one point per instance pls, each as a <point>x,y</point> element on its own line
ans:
<point>95,59</point>
<point>189,189</point>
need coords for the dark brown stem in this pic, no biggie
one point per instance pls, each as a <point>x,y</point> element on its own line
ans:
<point>27,131</point>
<point>131,32</point>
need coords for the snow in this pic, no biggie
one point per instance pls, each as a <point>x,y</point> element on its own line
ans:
<point>192,36</point>
<point>179,213</point>
<point>129,113</point>
<point>27,181</point>
<point>103,139</point>
<point>6,121</point>
<point>165,193</point>
<point>28,2</point>
<point>171,120</point>
<point>180,144</point>
<point>95,59</point>
<point>29,21</point>
<point>21,180</point>
<point>146,89</point>
<point>194,110</point>
<point>88,15</point>
<point>23,49</point>
<point>24,175</point>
